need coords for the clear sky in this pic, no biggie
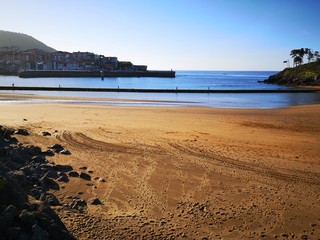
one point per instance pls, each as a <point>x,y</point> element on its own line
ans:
<point>172,34</point>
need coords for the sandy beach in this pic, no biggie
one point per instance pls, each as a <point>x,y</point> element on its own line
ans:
<point>183,172</point>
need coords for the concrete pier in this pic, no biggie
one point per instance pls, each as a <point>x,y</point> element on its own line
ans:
<point>106,74</point>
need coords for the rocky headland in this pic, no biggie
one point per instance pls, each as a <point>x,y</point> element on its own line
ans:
<point>303,75</point>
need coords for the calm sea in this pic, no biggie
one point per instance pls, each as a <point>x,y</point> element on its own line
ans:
<point>184,80</point>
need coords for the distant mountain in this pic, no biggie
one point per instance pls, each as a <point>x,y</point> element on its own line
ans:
<point>22,41</point>
<point>304,75</point>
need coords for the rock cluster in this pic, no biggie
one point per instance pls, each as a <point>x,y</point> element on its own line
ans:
<point>24,172</point>
<point>294,80</point>
<point>304,75</point>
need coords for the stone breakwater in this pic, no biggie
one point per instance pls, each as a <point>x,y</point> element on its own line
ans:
<point>48,74</point>
<point>27,180</point>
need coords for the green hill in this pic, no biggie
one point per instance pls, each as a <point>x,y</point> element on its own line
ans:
<point>303,75</point>
<point>22,41</point>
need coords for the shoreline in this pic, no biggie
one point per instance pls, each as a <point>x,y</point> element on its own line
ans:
<point>224,173</point>
<point>218,100</point>
<point>177,90</point>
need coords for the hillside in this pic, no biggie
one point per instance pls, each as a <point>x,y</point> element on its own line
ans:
<point>22,41</point>
<point>303,75</point>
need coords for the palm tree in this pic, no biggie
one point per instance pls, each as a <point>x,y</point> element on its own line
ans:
<point>316,56</point>
<point>297,55</point>
<point>297,60</point>
<point>309,53</point>
<point>302,52</point>
<point>294,52</point>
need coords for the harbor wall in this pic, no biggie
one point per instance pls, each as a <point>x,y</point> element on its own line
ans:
<point>106,74</point>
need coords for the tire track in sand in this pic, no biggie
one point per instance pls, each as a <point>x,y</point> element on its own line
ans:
<point>82,141</point>
<point>285,174</point>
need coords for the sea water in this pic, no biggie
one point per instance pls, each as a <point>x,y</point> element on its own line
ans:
<point>214,80</point>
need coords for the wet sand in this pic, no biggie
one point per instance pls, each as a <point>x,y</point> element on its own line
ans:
<point>193,173</point>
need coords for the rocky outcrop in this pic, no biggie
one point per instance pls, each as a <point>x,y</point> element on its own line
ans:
<point>25,174</point>
<point>304,75</point>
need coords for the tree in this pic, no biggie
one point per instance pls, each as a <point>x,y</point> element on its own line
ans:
<point>297,60</point>
<point>298,55</point>
<point>309,53</point>
<point>316,56</point>
<point>294,52</point>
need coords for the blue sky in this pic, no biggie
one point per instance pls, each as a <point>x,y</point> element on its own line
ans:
<point>172,34</point>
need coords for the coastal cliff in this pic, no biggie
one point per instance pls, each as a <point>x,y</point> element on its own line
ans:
<point>303,75</point>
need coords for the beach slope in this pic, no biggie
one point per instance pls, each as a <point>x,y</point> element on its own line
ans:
<point>194,173</point>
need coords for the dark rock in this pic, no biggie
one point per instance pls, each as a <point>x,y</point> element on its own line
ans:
<point>11,166</point>
<point>38,233</point>
<point>11,210</point>
<point>56,148</point>
<point>56,229</point>
<point>3,152</point>
<point>85,176</point>
<point>13,232</point>
<point>46,134</point>
<point>11,140</point>
<point>36,193</point>
<point>63,177</point>
<point>18,157</point>
<point>63,168</point>
<point>95,201</point>
<point>65,152</point>
<point>78,204</point>
<point>27,170</point>
<point>101,180</point>
<point>38,159</point>
<point>20,177</point>
<point>50,199</point>
<point>48,153</point>
<point>47,167</point>
<point>22,132</point>
<point>33,150</point>
<point>27,218</point>
<point>5,222</point>
<point>55,232</point>
<point>23,166</point>
<point>83,168</point>
<point>11,192</point>
<point>52,174</point>
<point>49,183</point>
<point>44,219</point>
<point>24,235</point>
<point>73,174</point>
<point>35,179</point>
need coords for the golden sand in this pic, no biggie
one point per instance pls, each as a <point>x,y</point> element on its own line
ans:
<point>183,172</point>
